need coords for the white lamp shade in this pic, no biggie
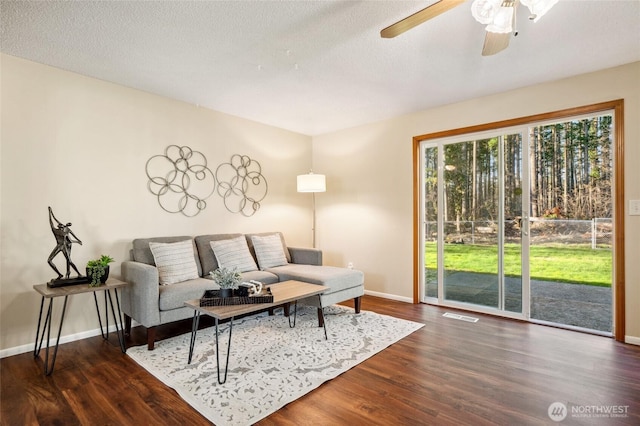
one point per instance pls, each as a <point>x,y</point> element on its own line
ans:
<point>311,183</point>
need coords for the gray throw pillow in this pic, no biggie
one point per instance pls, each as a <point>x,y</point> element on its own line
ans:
<point>269,251</point>
<point>175,261</point>
<point>234,253</point>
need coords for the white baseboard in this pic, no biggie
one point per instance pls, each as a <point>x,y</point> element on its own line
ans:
<point>632,340</point>
<point>389,296</point>
<point>63,339</point>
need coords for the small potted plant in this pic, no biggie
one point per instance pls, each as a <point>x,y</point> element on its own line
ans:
<point>98,270</point>
<point>227,279</point>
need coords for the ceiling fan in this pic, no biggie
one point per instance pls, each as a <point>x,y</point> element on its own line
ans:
<point>499,15</point>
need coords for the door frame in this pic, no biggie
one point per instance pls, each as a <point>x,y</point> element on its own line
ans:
<point>617,106</point>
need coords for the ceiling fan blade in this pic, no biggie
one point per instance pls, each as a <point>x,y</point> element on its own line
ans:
<point>419,17</point>
<point>495,42</point>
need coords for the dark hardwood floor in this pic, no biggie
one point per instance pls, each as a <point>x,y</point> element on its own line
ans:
<point>495,371</point>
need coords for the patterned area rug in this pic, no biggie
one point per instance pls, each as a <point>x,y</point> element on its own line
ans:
<point>270,364</point>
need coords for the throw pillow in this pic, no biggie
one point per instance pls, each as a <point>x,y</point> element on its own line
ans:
<point>175,261</point>
<point>269,251</point>
<point>234,253</point>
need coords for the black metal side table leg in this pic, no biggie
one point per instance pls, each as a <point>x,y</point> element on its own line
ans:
<point>48,368</point>
<point>44,327</point>
<point>194,330</point>
<point>104,336</point>
<point>116,319</point>
<point>36,346</point>
<point>226,367</point>
<point>295,314</point>
<point>324,323</point>
<point>115,290</point>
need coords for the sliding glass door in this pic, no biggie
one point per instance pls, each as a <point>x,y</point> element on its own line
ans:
<point>475,250</point>
<point>571,228</point>
<point>518,222</point>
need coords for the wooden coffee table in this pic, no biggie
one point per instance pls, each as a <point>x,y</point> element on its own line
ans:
<point>284,292</point>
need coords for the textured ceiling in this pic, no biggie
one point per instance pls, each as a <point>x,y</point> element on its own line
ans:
<point>313,66</point>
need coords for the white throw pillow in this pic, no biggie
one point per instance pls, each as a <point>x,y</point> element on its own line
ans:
<point>269,251</point>
<point>234,253</point>
<point>175,261</point>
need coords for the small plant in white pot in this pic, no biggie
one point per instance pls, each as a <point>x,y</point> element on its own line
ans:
<point>227,279</point>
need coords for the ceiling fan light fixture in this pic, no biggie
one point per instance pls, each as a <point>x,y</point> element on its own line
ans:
<point>503,21</point>
<point>484,11</point>
<point>499,16</point>
<point>538,7</point>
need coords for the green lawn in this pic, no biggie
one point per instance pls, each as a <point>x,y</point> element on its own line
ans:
<point>576,264</point>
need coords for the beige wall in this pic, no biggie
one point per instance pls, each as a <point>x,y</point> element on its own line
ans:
<point>365,217</point>
<point>63,135</point>
<point>80,146</point>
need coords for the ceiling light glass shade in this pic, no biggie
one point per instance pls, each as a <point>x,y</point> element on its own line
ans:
<point>312,183</point>
<point>538,7</point>
<point>485,10</point>
<point>503,21</point>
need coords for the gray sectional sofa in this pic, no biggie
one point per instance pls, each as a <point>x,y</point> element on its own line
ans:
<point>151,304</point>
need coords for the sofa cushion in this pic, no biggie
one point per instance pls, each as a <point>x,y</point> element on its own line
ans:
<point>205,252</point>
<point>269,251</point>
<point>264,234</point>
<point>335,278</point>
<point>174,296</point>
<point>142,253</point>
<point>233,254</point>
<point>175,261</point>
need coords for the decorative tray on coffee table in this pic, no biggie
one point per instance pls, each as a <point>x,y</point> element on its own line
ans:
<point>212,298</point>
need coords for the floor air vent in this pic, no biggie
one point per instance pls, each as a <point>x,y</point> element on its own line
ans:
<point>460,317</point>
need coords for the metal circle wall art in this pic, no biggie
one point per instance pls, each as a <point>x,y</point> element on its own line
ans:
<point>241,185</point>
<point>181,180</point>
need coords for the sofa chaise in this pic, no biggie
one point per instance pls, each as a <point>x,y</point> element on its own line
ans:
<point>164,272</point>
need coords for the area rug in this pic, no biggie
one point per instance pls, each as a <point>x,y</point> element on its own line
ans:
<point>270,364</point>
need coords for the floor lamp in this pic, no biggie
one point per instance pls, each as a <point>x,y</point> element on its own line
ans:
<point>312,183</point>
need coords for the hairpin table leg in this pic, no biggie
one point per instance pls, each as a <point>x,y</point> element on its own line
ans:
<point>104,336</point>
<point>226,367</point>
<point>36,347</point>
<point>116,320</point>
<point>48,368</point>
<point>194,330</point>
<point>324,324</point>
<point>295,313</point>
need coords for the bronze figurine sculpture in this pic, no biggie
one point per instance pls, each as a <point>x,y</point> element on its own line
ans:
<point>65,238</point>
